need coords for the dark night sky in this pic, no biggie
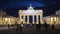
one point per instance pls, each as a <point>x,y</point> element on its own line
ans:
<point>12,6</point>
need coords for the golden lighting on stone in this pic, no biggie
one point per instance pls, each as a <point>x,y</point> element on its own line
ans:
<point>6,19</point>
<point>30,12</point>
<point>53,20</point>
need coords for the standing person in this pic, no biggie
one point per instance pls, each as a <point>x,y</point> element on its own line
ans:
<point>20,28</point>
<point>53,27</point>
<point>38,26</point>
<point>17,29</point>
<point>45,26</point>
<point>8,26</point>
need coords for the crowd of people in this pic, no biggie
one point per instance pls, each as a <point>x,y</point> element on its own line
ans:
<point>38,27</point>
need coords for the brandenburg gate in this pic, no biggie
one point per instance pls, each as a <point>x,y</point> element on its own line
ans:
<point>30,16</point>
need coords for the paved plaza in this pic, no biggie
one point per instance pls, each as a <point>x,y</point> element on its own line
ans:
<point>28,30</point>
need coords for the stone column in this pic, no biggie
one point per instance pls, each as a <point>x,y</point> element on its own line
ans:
<point>19,21</point>
<point>24,19</point>
<point>41,15</point>
<point>33,19</point>
<point>20,15</point>
<point>37,19</point>
<point>41,18</point>
<point>27,19</point>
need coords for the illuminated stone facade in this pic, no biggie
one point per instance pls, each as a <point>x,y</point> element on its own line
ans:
<point>8,20</point>
<point>53,19</point>
<point>30,12</point>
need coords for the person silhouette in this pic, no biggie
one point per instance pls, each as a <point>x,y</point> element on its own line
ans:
<point>53,27</point>
<point>45,26</point>
<point>38,27</point>
<point>20,28</point>
<point>17,29</point>
<point>8,26</point>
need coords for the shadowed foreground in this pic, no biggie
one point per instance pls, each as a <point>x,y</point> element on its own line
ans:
<point>29,31</point>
